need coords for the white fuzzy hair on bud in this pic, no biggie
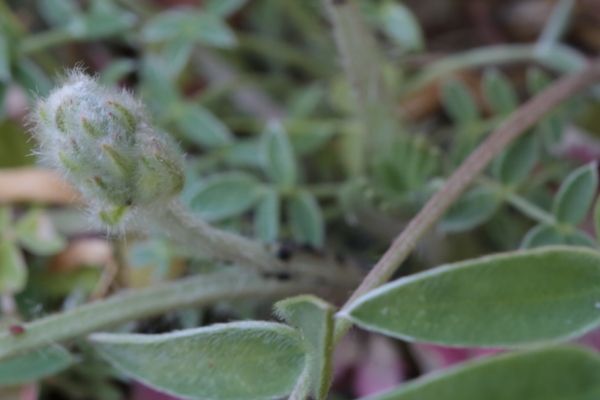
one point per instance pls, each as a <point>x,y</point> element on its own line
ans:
<point>102,141</point>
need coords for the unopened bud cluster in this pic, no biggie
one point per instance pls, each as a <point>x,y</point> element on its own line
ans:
<point>103,141</point>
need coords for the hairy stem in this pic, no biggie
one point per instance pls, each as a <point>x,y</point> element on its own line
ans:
<point>209,242</point>
<point>359,52</point>
<point>518,122</point>
<point>135,304</point>
<point>363,67</point>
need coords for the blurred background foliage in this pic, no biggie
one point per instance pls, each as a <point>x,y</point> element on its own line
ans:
<point>278,147</point>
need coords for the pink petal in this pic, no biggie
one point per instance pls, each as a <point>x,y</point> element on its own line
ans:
<point>381,367</point>
<point>142,392</point>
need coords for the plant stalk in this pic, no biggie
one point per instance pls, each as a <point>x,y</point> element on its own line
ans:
<point>208,242</point>
<point>498,55</point>
<point>136,304</point>
<point>516,124</point>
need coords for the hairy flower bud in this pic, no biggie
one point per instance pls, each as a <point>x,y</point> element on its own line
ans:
<point>102,140</point>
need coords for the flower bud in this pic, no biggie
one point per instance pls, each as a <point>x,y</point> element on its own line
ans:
<point>102,140</point>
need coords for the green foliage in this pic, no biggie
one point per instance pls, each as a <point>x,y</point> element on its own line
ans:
<point>553,373</point>
<point>471,210</point>
<point>153,253</point>
<point>576,195</point>
<point>242,360</point>
<point>226,195</point>
<point>499,93</point>
<point>400,24</point>
<point>412,162</point>
<point>550,128</point>
<point>57,12</point>
<point>13,271</point>
<point>34,365</point>
<point>266,218</point>
<point>506,300</point>
<point>305,219</point>
<point>278,155</point>
<point>547,235</point>
<point>190,25</point>
<point>201,127</point>
<point>5,70</point>
<point>36,233</point>
<point>556,25</point>
<point>517,162</point>
<point>224,8</point>
<point>103,19</point>
<point>280,145</point>
<point>314,319</point>
<point>459,103</point>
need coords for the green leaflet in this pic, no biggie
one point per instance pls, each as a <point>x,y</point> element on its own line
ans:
<point>306,220</point>
<point>117,70</point>
<point>34,365</point>
<point>5,58</point>
<point>241,360</point>
<point>175,55</point>
<point>550,128</point>
<point>411,163</point>
<point>314,318</point>
<point>506,300</point>
<point>160,94</point>
<point>243,153</point>
<point>201,127</point>
<point>57,12</point>
<point>459,103</point>
<point>103,19</point>
<point>400,25</point>
<point>226,195</point>
<point>13,272</point>
<point>473,209</point>
<point>305,102</point>
<point>189,24</point>
<point>576,195</point>
<point>280,161</point>
<point>547,235</point>
<point>499,92</point>
<point>515,164</point>
<point>547,374</point>
<point>266,217</point>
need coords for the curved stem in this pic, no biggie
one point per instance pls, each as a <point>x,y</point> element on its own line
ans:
<point>499,55</point>
<point>135,304</point>
<point>518,122</point>
<point>206,241</point>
